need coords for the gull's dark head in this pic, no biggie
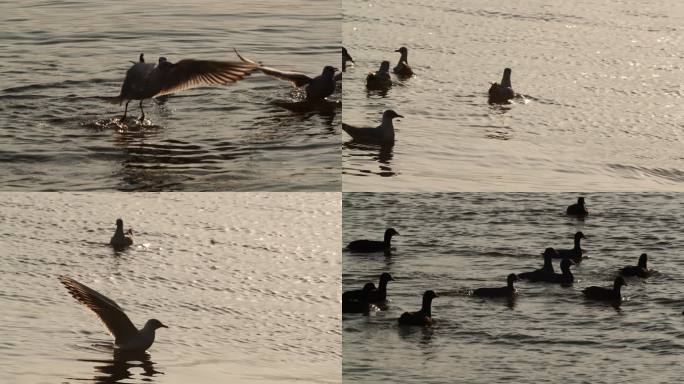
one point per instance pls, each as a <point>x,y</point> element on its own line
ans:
<point>550,253</point>
<point>329,71</point>
<point>511,278</point>
<point>390,114</point>
<point>402,50</point>
<point>429,295</point>
<point>579,235</point>
<point>155,324</point>
<point>507,72</point>
<point>119,223</point>
<point>386,277</point>
<point>391,232</point>
<point>384,66</point>
<point>580,201</point>
<point>142,58</point>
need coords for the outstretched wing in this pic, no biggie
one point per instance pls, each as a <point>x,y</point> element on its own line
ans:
<point>111,315</point>
<point>299,79</point>
<point>189,73</point>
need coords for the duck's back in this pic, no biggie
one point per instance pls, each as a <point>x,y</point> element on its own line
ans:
<point>366,245</point>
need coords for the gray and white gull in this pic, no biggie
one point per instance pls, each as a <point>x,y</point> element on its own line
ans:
<point>146,80</point>
<point>126,336</point>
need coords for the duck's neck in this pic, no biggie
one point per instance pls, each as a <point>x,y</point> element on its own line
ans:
<point>642,264</point>
<point>506,80</point>
<point>427,306</point>
<point>577,242</point>
<point>404,58</point>
<point>616,289</point>
<point>388,236</point>
<point>382,287</point>
<point>510,285</point>
<point>119,233</point>
<point>548,264</point>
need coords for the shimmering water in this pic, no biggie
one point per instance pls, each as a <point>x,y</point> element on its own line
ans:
<point>602,95</point>
<point>452,243</point>
<point>249,286</point>
<point>58,57</point>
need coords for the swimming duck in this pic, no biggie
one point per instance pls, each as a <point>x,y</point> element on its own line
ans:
<point>565,277</point>
<point>422,317</point>
<point>600,293</point>
<point>547,269</point>
<point>577,209</point>
<point>382,134</point>
<point>373,245</point>
<point>357,301</point>
<point>507,291</point>
<point>574,254</point>
<point>381,79</point>
<point>120,241</point>
<point>371,294</point>
<point>640,270</point>
<point>501,93</point>
<point>402,69</point>
<point>317,88</point>
<point>346,57</point>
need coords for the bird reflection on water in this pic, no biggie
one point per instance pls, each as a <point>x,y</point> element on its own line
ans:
<point>120,367</point>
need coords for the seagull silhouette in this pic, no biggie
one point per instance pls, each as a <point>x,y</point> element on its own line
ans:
<point>317,88</point>
<point>145,80</point>
<point>126,336</point>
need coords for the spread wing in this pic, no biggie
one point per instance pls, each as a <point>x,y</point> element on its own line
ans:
<point>111,315</point>
<point>299,79</point>
<point>189,73</point>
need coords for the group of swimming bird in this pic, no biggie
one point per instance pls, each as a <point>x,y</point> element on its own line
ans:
<point>381,80</point>
<point>127,338</point>
<point>147,80</point>
<point>371,298</point>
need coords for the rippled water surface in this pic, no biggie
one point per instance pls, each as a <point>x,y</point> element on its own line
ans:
<point>452,243</point>
<point>601,84</point>
<point>60,56</point>
<point>248,285</point>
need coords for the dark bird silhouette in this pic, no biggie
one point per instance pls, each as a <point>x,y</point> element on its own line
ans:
<point>501,93</point>
<point>373,245</point>
<point>120,241</point>
<point>402,69</point>
<point>381,79</point>
<point>382,134</point>
<point>574,254</point>
<point>639,270</point>
<point>547,269</point>
<point>423,316</point>
<point>346,57</point>
<point>577,209</point>
<point>507,291</point>
<point>564,278</point>
<point>607,294</point>
<point>357,301</point>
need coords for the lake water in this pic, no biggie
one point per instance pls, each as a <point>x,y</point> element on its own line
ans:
<point>602,95</point>
<point>60,56</point>
<point>452,243</point>
<point>249,285</point>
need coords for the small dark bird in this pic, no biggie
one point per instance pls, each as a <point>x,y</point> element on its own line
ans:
<point>374,295</point>
<point>565,278</point>
<point>547,269</point>
<point>353,302</point>
<point>402,68</point>
<point>578,209</point>
<point>346,57</point>
<point>120,241</point>
<point>144,81</point>
<point>600,293</point>
<point>373,245</point>
<point>422,317</point>
<point>501,93</point>
<point>507,291</point>
<point>382,134</point>
<point>574,254</point>
<point>380,80</point>
<point>639,270</point>
<point>317,88</point>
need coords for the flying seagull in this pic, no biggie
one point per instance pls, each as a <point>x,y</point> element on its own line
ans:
<point>317,88</point>
<point>146,80</point>
<point>126,336</point>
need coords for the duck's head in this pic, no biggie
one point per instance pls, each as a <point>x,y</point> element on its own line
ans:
<point>385,277</point>
<point>155,324</point>
<point>329,71</point>
<point>429,295</point>
<point>580,201</point>
<point>391,232</point>
<point>402,50</point>
<point>142,58</point>
<point>507,72</point>
<point>579,235</point>
<point>384,66</point>
<point>549,253</point>
<point>390,114</point>
<point>511,278</point>
<point>619,282</point>
<point>119,224</point>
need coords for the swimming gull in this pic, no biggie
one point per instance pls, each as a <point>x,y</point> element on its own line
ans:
<point>120,241</point>
<point>383,134</point>
<point>402,68</point>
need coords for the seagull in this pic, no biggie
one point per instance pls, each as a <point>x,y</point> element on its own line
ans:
<point>380,79</point>
<point>126,336</point>
<point>120,241</point>
<point>146,80</point>
<point>317,88</point>
<point>346,57</point>
<point>402,69</point>
<point>383,134</point>
<point>501,93</point>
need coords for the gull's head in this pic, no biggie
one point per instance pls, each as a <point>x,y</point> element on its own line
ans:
<point>155,324</point>
<point>329,70</point>
<point>402,50</point>
<point>142,57</point>
<point>384,66</point>
<point>162,60</point>
<point>390,114</point>
<point>580,200</point>
<point>119,223</point>
<point>507,72</point>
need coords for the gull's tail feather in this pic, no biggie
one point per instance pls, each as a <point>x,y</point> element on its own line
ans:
<point>112,99</point>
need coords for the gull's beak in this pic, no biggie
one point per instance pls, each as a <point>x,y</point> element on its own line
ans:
<point>337,69</point>
<point>397,50</point>
<point>398,115</point>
